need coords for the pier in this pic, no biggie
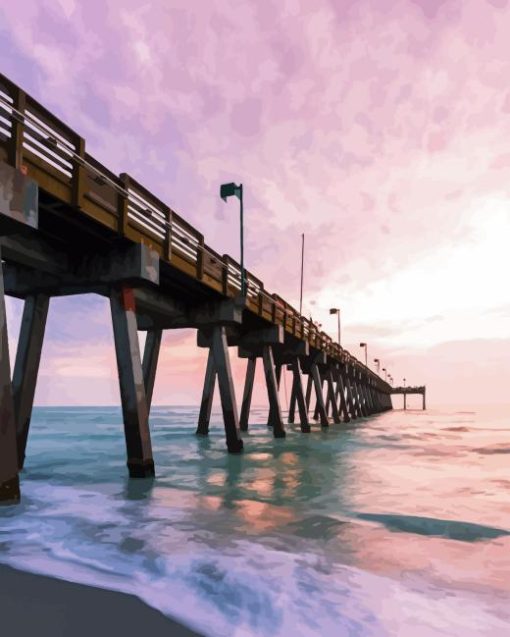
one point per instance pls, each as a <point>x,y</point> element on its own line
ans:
<point>68,226</point>
<point>406,391</point>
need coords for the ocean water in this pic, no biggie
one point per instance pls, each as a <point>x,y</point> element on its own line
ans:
<point>397,524</point>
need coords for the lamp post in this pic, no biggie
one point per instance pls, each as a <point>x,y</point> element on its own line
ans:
<point>404,382</point>
<point>336,310</point>
<point>366,352</point>
<point>226,191</point>
<point>385,372</point>
<point>377,364</point>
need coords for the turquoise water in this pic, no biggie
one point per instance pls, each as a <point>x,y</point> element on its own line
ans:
<point>395,525</point>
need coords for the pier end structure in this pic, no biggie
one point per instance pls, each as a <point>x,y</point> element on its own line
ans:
<point>406,391</point>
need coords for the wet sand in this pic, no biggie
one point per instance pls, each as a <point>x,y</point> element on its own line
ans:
<point>44,606</point>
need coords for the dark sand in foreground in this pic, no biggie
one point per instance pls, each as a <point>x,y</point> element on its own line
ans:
<point>43,606</point>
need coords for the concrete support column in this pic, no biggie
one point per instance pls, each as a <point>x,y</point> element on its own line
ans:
<point>247,394</point>
<point>28,356</point>
<point>355,397</point>
<point>321,407</point>
<point>366,393</point>
<point>359,393</point>
<point>375,400</point>
<point>275,412</point>
<point>226,385</point>
<point>350,399</point>
<point>299,397</point>
<point>9,480</point>
<point>341,392</point>
<point>292,402</point>
<point>278,376</point>
<point>132,387</point>
<point>423,401</point>
<point>405,401</point>
<point>309,383</point>
<point>204,415</point>
<point>316,410</point>
<point>363,401</point>
<point>150,362</point>
<point>366,399</point>
<point>332,397</point>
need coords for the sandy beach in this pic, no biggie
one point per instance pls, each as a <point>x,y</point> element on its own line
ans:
<point>39,605</point>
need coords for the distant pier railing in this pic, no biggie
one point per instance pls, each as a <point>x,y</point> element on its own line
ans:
<point>406,391</point>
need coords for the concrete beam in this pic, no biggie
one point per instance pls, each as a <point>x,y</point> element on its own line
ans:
<point>205,337</point>
<point>19,201</point>
<point>134,263</point>
<point>315,358</point>
<point>166,311</point>
<point>228,311</point>
<point>33,252</point>
<point>272,335</point>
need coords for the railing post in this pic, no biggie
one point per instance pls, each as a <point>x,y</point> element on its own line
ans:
<point>79,174</point>
<point>224,275</point>
<point>167,243</point>
<point>122,206</point>
<point>15,150</point>
<point>200,258</point>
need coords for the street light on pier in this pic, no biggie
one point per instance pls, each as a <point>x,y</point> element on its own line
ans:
<point>336,310</point>
<point>385,373</point>
<point>377,364</point>
<point>404,382</point>
<point>364,345</point>
<point>226,191</point>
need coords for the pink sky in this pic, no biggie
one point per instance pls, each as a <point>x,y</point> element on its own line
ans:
<point>378,128</point>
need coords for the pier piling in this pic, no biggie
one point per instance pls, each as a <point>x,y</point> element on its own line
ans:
<point>9,480</point>
<point>132,387</point>
<point>204,415</point>
<point>28,356</point>
<point>247,393</point>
